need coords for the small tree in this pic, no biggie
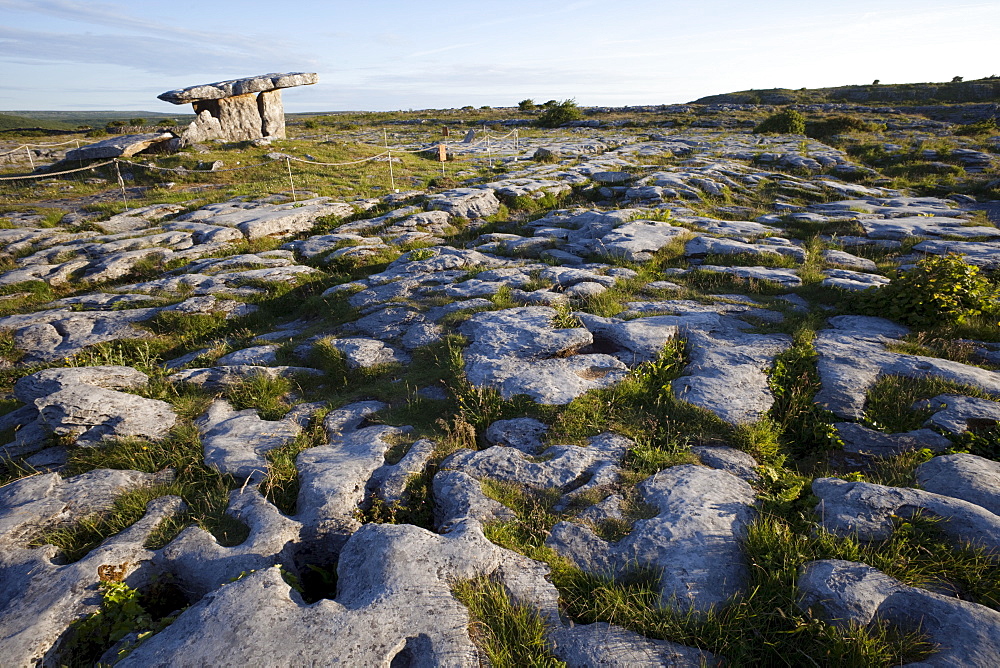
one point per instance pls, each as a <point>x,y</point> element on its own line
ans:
<point>875,83</point>
<point>560,114</point>
<point>137,121</point>
<point>787,122</point>
<point>526,105</point>
<point>956,79</point>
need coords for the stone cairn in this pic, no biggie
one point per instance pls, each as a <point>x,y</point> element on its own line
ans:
<point>239,109</point>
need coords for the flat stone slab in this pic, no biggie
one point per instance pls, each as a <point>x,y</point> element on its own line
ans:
<point>122,146</point>
<point>983,254</point>
<point>784,277</point>
<point>234,87</point>
<point>466,202</point>
<point>854,281</point>
<point>955,413</point>
<point>849,261</point>
<point>366,353</point>
<point>924,226</point>
<point>638,240</point>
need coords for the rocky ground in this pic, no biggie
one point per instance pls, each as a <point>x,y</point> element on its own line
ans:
<point>620,397</point>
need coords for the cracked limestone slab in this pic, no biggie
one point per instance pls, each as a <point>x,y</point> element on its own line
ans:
<point>638,240</point>
<point>561,467</point>
<point>40,599</point>
<point>466,202</point>
<point>43,383</point>
<point>200,565</point>
<point>958,414</point>
<point>393,601</point>
<point>265,355</point>
<point>869,510</point>
<point>235,442</point>
<point>924,226</point>
<point>364,353</point>
<point>334,477</point>
<point>727,369</point>
<point>694,540</point>
<point>519,351</point>
<point>854,281</point>
<point>863,446</point>
<point>220,377</point>
<point>47,336</point>
<point>853,355</point>
<point>270,220</point>
<point>93,414</point>
<point>848,593</point>
<point>963,476</point>
<point>980,253</point>
<point>849,261</point>
<point>786,278</point>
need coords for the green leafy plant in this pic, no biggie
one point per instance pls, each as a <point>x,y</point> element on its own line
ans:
<point>939,289</point>
<point>789,122</point>
<point>123,611</point>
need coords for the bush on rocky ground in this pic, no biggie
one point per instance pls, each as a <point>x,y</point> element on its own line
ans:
<point>788,122</point>
<point>560,114</point>
<point>939,289</point>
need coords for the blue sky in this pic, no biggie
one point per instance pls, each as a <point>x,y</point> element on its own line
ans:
<point>384,55</point>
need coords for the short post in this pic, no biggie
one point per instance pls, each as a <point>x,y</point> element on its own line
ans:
<point>288,163</point>
<point>121,183</point>
<point>442,157</point>
<point>388,157</point>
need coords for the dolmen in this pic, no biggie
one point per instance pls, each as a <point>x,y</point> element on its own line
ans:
<point>239,109</point>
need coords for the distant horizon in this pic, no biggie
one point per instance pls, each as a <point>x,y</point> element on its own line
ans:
<point>389,55</point>
<point>513,106</point>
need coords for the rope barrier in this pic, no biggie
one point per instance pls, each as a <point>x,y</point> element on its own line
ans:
<point>288,158</point>
<point>338,164</point>
<point>15,150</point>
<point>47,175</point>
<point>184,170</point>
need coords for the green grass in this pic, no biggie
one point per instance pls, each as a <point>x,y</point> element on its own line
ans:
<point>510,635</point>
<point>890,401</point>
<point>203,489</point>
<point>764,626</point>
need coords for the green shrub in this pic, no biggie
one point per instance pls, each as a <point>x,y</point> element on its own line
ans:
<point>938,290</point>
<point>559,114</point>
<point>526,105</point>
<point>840,124</point>
<point>787,122</point>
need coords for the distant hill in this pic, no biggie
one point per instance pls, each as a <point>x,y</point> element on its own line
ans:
<point>979,90</point>
<point>74,119</point>
<point>8,122</point>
